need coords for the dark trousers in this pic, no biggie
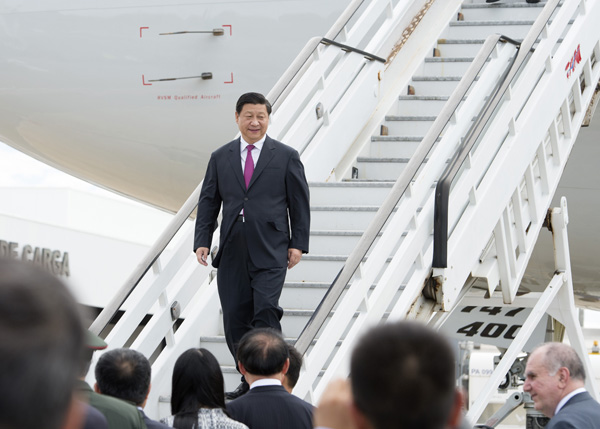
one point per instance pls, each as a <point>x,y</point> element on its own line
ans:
<point>249,295</point>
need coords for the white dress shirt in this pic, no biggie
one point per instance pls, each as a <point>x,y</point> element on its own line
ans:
<point>265,382</point>
<point>564,400</point>
<point>255,152</point>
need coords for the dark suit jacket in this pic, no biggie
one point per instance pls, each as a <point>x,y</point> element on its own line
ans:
<point>581,411</point>
<point>271,407</point>
<point>153,424</point>
<point>277,192</point>
<point>94,419</point>
<point>119,414</point>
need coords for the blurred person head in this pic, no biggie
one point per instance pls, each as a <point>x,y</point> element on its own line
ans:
<point>291,377</point>
<point>124,374</point>
<point>403,375</point>
<point>41,340</point>
<point>553,371</point>
<point>197,383</point>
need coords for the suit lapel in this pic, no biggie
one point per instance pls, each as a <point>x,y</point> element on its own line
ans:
<point>266,155</point>
<point>236,164</point>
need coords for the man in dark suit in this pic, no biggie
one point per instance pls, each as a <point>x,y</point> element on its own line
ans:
<point>261,185</point>
<point>263,359</point>
<point>125,374</point>
<point>555,379</point>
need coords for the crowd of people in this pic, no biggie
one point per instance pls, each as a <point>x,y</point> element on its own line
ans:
<point>402,375</point>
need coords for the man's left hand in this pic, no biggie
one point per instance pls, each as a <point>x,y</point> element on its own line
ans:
<point>294,256</point>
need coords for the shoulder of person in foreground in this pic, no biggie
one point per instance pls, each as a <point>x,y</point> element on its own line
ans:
<point>117,412</point>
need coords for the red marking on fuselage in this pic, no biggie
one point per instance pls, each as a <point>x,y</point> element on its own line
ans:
<point>231,81</point>
<point>575,59</point>
<point>143,28</point>
<point>230,29</point>
<point>144,81</point>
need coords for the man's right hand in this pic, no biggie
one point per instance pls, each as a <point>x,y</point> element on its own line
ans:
<point>202,255</point>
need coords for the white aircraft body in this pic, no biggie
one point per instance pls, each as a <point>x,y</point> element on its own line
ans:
<point>134,95</point>
<point>82,82</point>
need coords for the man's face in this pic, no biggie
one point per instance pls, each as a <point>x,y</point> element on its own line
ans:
<point>545,389</point>
<point>252,121</point>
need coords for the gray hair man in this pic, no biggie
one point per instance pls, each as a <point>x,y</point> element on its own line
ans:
<point>555,379</point>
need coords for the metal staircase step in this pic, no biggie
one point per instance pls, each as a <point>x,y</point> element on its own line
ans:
<point>292,322</point>
<point>393,146</point>
<point>316,268</point>
<point>501,11</point>
<point>380,168</point>
<point>409,128</point>
<point>450,48</point>
<point>343,193</point>
<point>435,85</point>
<point>332,242</point>
<point>481,29</point>
<point>306,295</point>
<point>377,168</point>
<point>444,66</point>
<point>420,105</point>
<point>342,218</point>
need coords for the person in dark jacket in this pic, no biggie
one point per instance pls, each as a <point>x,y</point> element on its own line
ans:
<point>263,359</point>
<point>125,374</point>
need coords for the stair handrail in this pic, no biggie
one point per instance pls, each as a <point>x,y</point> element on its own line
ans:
<point>276,95</point>
<point>161,243</point>
<point>442,191</point>
<point>399,188</point>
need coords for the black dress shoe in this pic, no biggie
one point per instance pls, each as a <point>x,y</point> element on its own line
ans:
<point>241,390</point>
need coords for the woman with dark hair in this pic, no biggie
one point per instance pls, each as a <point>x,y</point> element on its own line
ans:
<point>198,394</point>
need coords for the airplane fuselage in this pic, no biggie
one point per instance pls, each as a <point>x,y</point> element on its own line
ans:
<point>84,86</point>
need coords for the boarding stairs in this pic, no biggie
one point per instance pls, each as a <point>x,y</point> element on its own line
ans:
<point>419,146</point>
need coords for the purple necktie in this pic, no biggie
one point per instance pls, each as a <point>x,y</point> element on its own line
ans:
<point>249,167</point>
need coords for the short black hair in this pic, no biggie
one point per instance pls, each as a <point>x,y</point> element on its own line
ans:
<point>263,351</point>
<point>41,342</point>
<point>403,375</point>
<point>295,364</point>
<point>124,374</point>
<point>197,383</point>
<point>252,98</point>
